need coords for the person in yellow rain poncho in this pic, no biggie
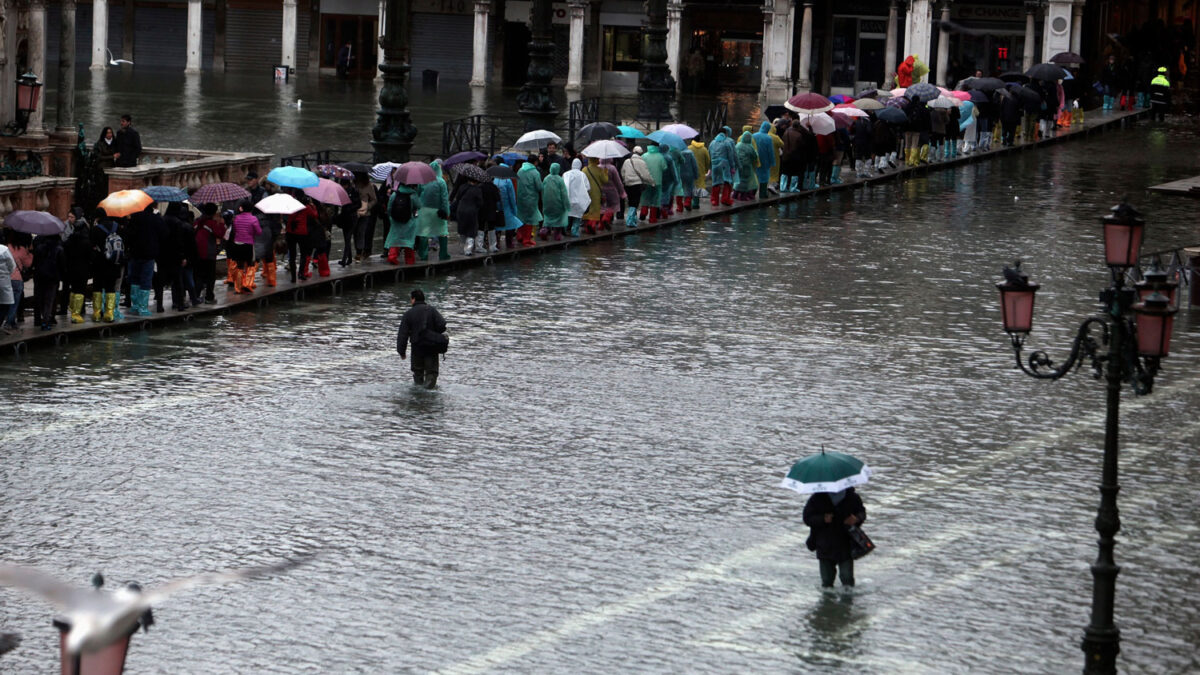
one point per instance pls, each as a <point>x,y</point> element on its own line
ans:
<point>703,165</point>
<point>777,141</point>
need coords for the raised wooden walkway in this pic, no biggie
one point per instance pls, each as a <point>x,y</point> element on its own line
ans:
<point>375,271</point>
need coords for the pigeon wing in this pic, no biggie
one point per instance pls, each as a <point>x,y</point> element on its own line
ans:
<point>170,588</point>
<point>36,582</point>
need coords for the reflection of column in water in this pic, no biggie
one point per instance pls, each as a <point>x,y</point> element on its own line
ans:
<point>287,104</point>
<point>191,99</point>
<point>479,100</point>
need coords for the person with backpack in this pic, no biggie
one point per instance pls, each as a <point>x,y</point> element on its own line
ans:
<point>402,232</point>
<point>49,262</point>
<point>210,232</point>
<point>433,215</point>
<point>108,259</point>
<point>424,328</point>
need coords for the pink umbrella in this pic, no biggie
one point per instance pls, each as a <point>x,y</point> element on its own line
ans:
<point>412,173</point>
<point>808,103</point>
<point>328,192</point>
<point>961,95</point>
<point>848,110</point>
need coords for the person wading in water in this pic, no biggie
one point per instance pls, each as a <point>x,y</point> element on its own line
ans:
<point>424,328</point>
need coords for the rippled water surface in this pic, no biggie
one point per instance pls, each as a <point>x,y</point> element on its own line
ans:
<point>594,486</point>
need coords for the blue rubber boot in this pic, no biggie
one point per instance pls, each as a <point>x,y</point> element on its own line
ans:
<point>835,175</point>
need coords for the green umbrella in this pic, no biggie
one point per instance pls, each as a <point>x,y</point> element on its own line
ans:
<point>826,472</point>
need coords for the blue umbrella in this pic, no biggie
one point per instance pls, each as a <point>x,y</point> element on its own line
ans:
<point>668,139</point>
<point>293,177</point>
<point>630,132</point>
<point>164,193</point>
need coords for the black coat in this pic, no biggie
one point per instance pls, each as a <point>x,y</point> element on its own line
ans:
<point>128,143</point>
<point>418,317</point>
<point>468,210</point>
<point>78,253</point>
<point>830,540</point>
<point>144,234</point>
<point>492,216</point>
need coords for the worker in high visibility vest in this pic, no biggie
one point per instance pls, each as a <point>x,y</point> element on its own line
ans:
<point>1160,95</point>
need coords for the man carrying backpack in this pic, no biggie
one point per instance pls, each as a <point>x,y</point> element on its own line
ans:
<point>108,260</point>
<point>425,329</point>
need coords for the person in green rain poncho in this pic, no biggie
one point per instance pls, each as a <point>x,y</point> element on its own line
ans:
<point>555,205</point>
<point>652,194</point>
<point>747,162</point>
<point>689,171</point>
<point>529,193</point>
<point>402,234</point>
<point>433,216</point>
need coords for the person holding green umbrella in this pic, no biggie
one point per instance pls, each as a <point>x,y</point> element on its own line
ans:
<point>832,510</point>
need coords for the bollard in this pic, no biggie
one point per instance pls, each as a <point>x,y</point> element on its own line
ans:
<point>107,661</point>
<point>336,287</point>
<point>61,340</point>
<point>368,281</point>
<point>1193,256</point>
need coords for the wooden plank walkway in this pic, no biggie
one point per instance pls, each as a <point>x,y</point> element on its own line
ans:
<point>367,274</point>
<point>1187,187</point>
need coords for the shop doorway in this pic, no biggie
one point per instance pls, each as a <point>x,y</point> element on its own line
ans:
<point>359,32</point>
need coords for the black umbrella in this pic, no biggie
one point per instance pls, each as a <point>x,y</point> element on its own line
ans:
<point>1028,95</point>
<point>1014,76</point>
<point>774,112</point>
<point>1067,59</point>
<point>982,84</point>
<point>471,171</point>
<point>1048,72</point>
<point>356,167</point>
<point>978,96</point>
<point>892,115</point>
<point>596,131</point>
<point>501,171</point>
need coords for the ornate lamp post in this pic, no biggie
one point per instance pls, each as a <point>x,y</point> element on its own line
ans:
<point>535,102</point>
<point>29,90</point>
<point>1135,346</point>
<point>656,86</point>
<point>393,133</point>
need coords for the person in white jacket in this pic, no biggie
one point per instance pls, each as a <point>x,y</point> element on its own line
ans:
<point>577,195</point>
<point>636,177</point>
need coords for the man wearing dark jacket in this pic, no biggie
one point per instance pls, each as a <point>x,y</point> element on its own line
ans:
<point>420,318</point>
<point>828,514</point>
<point>127,147</point>
<point>145,233</point>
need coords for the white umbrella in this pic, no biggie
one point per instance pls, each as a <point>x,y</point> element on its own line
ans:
<point>682,130</point>
<point>945,102</point>
<point>380,172</point>
<point>280,203</point>
<point>850,112</point>
<point>821,124</point>
<point>605,150</point>
<point>536,140</point>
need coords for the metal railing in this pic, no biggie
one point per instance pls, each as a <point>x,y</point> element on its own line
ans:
<point>477,132</point>
<point>714,119</point>
<point>314,158</point>
<point>580,114</point>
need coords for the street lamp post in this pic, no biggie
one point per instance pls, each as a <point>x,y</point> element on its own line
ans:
<point>535,102</point>
<point>656,86</point>
<point>393,133</point>
<point>1135,347</point>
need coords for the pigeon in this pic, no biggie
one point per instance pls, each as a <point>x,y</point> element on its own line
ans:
<point>99,618</point>
<point>9,642</point>
<point>115,62</point>
<point>1014,275</point>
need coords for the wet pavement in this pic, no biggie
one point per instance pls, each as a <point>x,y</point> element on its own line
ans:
<point>594,486</point>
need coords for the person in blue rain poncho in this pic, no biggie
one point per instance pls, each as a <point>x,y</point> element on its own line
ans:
<point>766,157</point>
<point>508,204</point>
<point>724,167</point>
<point>652,194</point>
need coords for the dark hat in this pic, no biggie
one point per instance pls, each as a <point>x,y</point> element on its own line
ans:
<point>252,175</point>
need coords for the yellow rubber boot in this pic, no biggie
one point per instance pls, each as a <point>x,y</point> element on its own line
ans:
<point>925,154</point>
<point>110,306</point>
<point>97,306</point>
<point>76,306</point>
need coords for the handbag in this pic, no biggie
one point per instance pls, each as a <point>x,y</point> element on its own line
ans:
<point>860,543</point>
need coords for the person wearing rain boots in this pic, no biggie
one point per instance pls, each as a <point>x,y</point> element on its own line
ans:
<point>670,179</point>
<point>107,262</point>
<point>433,216</point>
<point>264,247</point>
<point>937,133</point>
<point>578,196</point>
<point>1110,82</point>
<point>491,218</point>
<point>746,187</point>
<point>635,177</point>
<point>245,228</point>
<point>529,194</point>
<point>884,137</point>
<point>724,162</point>
<point>210,232</point>
<point>841,148</point>
<point>791,169</point>
<point>145,232</point>
<point>685,190</point>
<point>556,207</point>
<point>1160,96</point>
<point>652,192</point>
<point>597,177</point>
<point>864,162</point>
<point>187,269</point>
<point>298,242</point>
<point>703,167</point>
<point>402,231</point>
<point>612,194</point>
<point>170,261</point>
<point>78,252</point>
<point>419,319</point>
<point>468,213</point>
<point>777,144</point>
<point>966,127</point>
<point>766,158</point>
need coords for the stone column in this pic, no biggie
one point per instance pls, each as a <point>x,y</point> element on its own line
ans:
<point>65,98</point>
<point>194,31</point>
<point>479,53</point>
<point>777,55</point>
<point>906,48</point>
<point>674,30</point>
<point>382,24</point>
<point>805,47</point>
<point>36,44</point>
<point>889,45</point>
<point>1027,61</point>
<point>536,102</point>
<point>127,30</point>
<point>1076,25</point>
<point>575,10</point>
<point>943,55</point>
<point>1056,31</point>
<point>656,87</point>
<point>287,55</point>
<point>99,34</point>
<point>393,133</point>
<point>922,25</point>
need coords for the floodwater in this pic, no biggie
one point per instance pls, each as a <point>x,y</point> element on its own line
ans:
<point>594,485</point>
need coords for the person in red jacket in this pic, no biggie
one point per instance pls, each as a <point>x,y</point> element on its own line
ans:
<point>904,73</point>
<point>298,242</point>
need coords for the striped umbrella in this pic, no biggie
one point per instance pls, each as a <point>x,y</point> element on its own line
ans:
<point>164,193</point>
<point>380,172</point>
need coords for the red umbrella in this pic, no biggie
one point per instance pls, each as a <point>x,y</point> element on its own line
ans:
<point>328,192</point>
<point>809,103</point>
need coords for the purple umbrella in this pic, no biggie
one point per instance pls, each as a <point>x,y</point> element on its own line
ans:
<point>464,156</point>
<point>328,192</point>
<point>412,173</point>
<point>34,222</point>
<point>215,193</point>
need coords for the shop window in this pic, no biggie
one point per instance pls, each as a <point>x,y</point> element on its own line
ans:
<point>623,48</point>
